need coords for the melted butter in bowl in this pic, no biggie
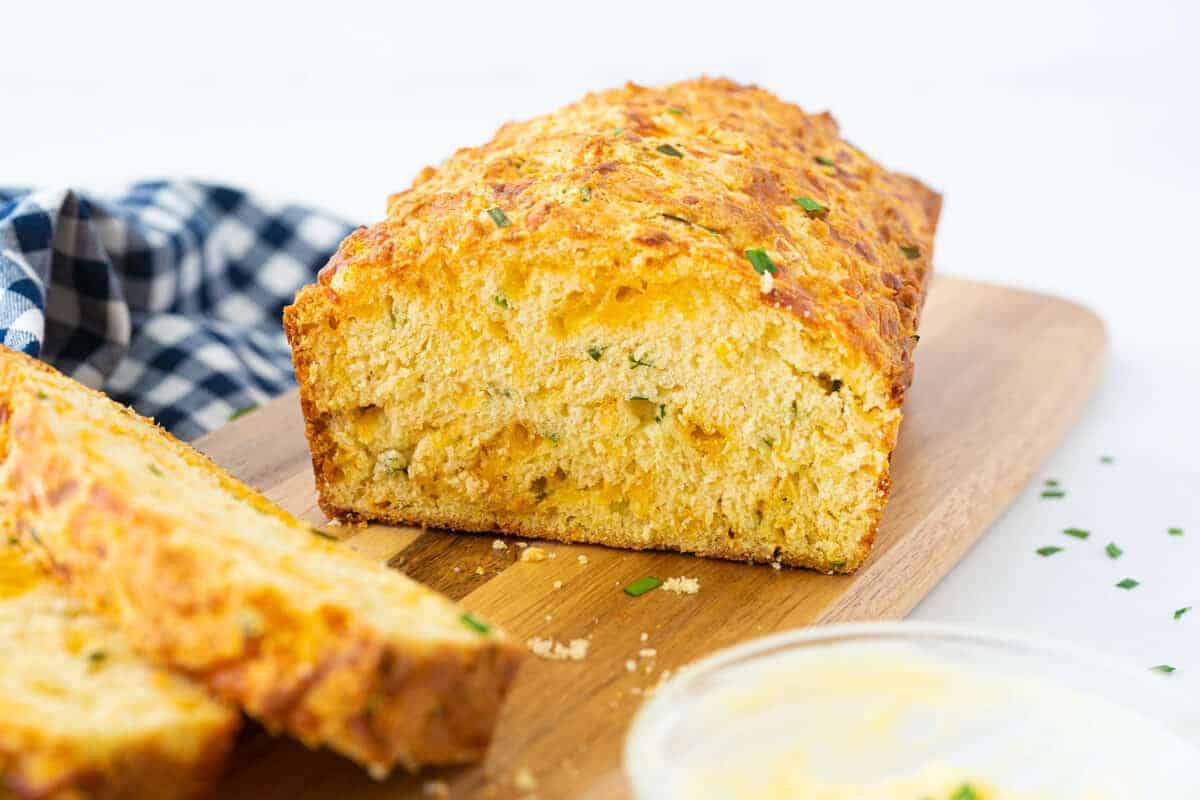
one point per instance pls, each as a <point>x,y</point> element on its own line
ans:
<point>910,711</point>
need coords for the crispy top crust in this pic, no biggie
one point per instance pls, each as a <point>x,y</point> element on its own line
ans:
<point>700,172</point>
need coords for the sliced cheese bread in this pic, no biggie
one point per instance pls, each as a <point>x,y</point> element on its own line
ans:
<point>82,715</point>
<point>207,576</point>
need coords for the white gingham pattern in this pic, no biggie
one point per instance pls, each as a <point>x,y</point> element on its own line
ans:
<point>168,296</point>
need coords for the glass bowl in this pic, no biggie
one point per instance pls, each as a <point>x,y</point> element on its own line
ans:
<point>861,710</point>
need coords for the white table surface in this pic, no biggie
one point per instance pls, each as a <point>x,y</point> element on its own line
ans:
<point>1065,136</point>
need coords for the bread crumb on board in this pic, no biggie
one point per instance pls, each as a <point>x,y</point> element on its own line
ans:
<point>435,789</point>
<point>557,584</point>
<point>554,650</point>
<point>681,585</point>
<point>533,554</point>
<point>499,544</point>
<point>645,636</point>
<point>647,652</point>
<point>630,665</point>
<point>524,780</point>
<point>583,560</point>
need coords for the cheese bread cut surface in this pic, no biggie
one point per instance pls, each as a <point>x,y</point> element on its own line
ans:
<point>205,575</point>
<point>675,318</point>
<point>83,716</point>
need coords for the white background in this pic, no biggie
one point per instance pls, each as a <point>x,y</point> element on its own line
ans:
<point>1065,136</point>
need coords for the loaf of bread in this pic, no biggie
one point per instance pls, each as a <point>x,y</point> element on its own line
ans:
<point>82,716</point>
<point>675,318</point>
<point>205,575</point>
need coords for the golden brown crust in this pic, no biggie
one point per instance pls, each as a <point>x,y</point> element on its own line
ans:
<point>326,677</point>
<point>859,271</point>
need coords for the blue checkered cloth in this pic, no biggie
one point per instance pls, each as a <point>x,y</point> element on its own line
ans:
<point>168,297</point>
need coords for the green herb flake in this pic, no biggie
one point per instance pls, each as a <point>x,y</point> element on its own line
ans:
<point>1179,612</point>
<point>824,161</point>
<point>768,442</point>
<point>1165,669</point>
<point>1113,551</point>
<point>474,623</point>
<point>643,585</point>
<point>500,300</point>
<point>965,792</point>
<point>668,150</point>
<point>595,351</point>
<point>1048,551</point>
<point>154,470</point>
<point>13,541</point>
<point>1175,531</point>
<point>810,206</point>
<point>910,251</point>
<point>761,262</point>
<point>1127,583</point>
<point>618,131</point>
<point>1053,494</point>
<point>96,658</point>
<point>1078,533</point>
<point>323,534</point>
<point>635,362</point>
<point>241,412</point>
<point>499,217</point>
<point>674,110</point>
<point>1051,482</point>
<point>662,412</point>
<point>585,193</point>
<point>1107,459</point>
<point>42,395</point>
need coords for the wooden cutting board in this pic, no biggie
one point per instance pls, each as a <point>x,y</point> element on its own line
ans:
<point>1001,373</point>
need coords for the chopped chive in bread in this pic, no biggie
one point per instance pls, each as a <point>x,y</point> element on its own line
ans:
<point>707,351</point>
<point>82,715</point>
<point>205,575</point>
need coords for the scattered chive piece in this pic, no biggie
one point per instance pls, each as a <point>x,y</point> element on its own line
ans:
<point>585,193</point>
<point>1051,482</point>
<point>1113,551</point>
<point>667,150</point>
<point>761,262</point>
<point>500,300</point>
<point>635,362</point>
<point>318,532</point>
<point>595,352</point>
<point>1165,669</point>
<point>810,206</point>
<point>474,623</point>
<point>241,412</point>
<point>910,251</point>
<point>154,470</point>
<point>499,217</point>
<point>1106,459</point>
<point>1175,531</point>
<point>1078,533</point>
<point>823,161</point>
<point>1179,612</point>
<point>42,395</point>
<point>618,131</point>
<point>1053,493</point>
<point>643,585</point>
<point>1127,583</point>
<point>662,412</point>
<point>674,110</point>
<point>96,658</point>
<point>965,792</point>
<point>1048,551</point>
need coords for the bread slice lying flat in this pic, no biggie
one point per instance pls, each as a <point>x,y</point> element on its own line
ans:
<point>83,716</point>
<point>206,576</point>
<point>657,318</point>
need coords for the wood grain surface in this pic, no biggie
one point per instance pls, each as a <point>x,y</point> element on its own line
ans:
<point>1001,373</point>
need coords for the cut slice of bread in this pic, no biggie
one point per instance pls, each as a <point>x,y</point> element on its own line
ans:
<point>207,576</point>
<point>82,715</point>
